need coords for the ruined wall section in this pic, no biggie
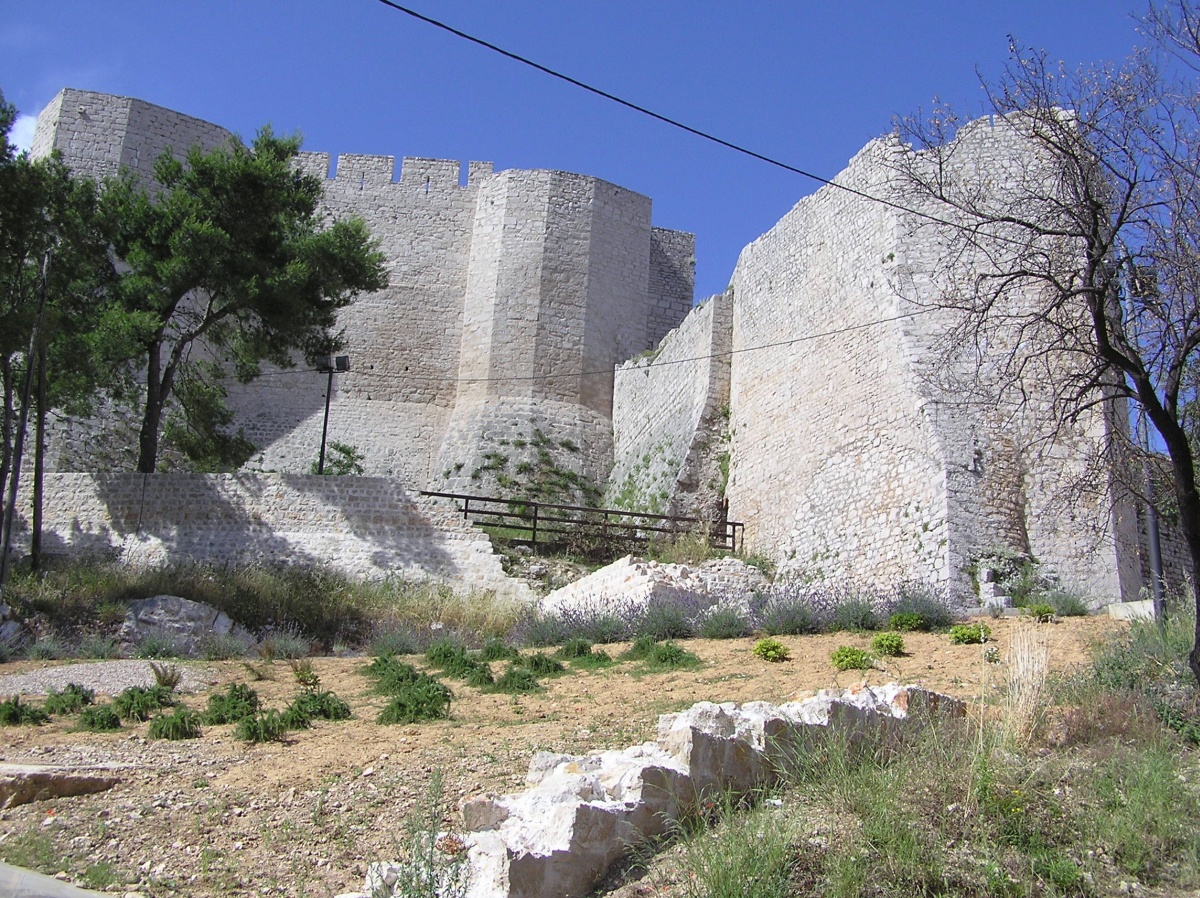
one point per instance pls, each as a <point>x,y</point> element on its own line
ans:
<point>364,526</point>
<point>670,419</point>
<point>833,467</point>
<point>1018,477</point>
<point>672,280</point>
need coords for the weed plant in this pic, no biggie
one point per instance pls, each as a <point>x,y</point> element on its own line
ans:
<point>99,719</point>
<point>540,665</point>
<point>223,647</point>
<point>286,643</point>
<point>435,866</point>
<point>890,644</point>
<point>496,649</point>
<point>970,634</point>
<point>854,614</point>
<point>322,706</point>
<point>48,648</point>
<point>166,676</point>
<point>181,723</point>
<point>262,726</point>
<point>1065,604</point>
<point>670,619</point>
<point>725,623</point>
<point>747,855</point>
<point>238,701</point>
<point>390,641</point>
<point>640,649</point>
<point>304,674</point>
<point>423,699</point>
<point>99,647</point>
<point>771,650</point>
<point>596,659</point>
<point>574,648</point>
<point>1042,612</point>
<point>920,600</point>
<point>906,622</point>
<point>14,713</point>
<point>669,656</point>
<point>70,700</point>
<point>517,681</point>
<point>158,646</point>
<point>140,702</point>
<point>846,657</point>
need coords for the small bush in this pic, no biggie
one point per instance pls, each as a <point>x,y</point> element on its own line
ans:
<point>286,643</point>
<point>386,643</point>
<point>664,620</point>
<point>101,648</point>
<point>423,699</point>
<point>890,644</point>
<point>158,646</point>
<point>306,678</point>
<point>445,652</point>
<point>99,719</point>
<point>1042,612</point>
<point>48,648</point>
<point>669,656</point>
<point>970,634</point>
<point>541,665</point>
<point>1066,604</point>
<point>296,717</point>
<point>917,598</point>
<point>575,648</point>
<point>846,657</point>
<point>166,675</point>
<point>181,723</point>
<point>725,623</point>
<point>139,702</point>
<point>594,660</point>
<point>517,681</point>
<point>770,650</point>
<point>854,614</point>
<point>238,701</point>
<point>495,649</point>
<point>265,726</point>
<point>907,622</point>
<point>785,616</point>
<point>222,647</point>
<point>322,705</point>
<point>71,699</point>
<point>392,676</point>
<point>13,713</point>
<point>480,677</point>
<point>640,650</point>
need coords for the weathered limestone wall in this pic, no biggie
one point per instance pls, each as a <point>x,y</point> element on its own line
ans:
<point>834,468</point>
<point>364,526</point>
<point>512,296</point>
<point>670,411</point>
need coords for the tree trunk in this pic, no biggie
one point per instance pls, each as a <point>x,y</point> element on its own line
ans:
<point>152,416</point>
<point>39,459</point>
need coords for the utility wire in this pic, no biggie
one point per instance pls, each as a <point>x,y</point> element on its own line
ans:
<point>544,377</point>
<point>675,123</point>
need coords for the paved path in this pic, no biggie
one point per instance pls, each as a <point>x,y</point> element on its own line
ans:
<point>16,882</point>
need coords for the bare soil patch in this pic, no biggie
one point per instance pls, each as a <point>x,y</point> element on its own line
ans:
<point>217,817</point>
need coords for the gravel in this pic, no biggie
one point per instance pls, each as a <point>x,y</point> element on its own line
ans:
<point>105,677</point>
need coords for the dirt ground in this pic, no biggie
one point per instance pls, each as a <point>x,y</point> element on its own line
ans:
<point>216,817</point>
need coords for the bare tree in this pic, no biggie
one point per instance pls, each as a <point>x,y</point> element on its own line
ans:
<point>1078,277</point>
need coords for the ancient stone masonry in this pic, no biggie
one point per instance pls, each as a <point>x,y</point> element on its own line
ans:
<point>512,297</point>
<point>538,339</point>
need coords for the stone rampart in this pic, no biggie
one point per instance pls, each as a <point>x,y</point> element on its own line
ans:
<point>363,526</point>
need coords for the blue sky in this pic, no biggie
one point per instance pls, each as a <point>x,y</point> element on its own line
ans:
<point>808,83</point>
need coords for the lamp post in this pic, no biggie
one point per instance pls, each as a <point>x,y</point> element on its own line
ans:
<point>341,364</point>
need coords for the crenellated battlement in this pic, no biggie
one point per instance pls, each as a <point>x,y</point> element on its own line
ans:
<point>366,170</point>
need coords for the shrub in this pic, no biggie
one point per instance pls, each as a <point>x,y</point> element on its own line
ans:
<point>640,650</point>
<point>48,648</point>
<point>970,634</point>
<point>238,701</point>
<point>517,681</point>
<point>854,614</point>
<point>222,647</point>
<point>265,726</point>
<point>495,649</point>
<point>541,665</point>
<point>286,642</point>
<point>575,648</point>
<point>99,719</point>
<point>139,702</point>
<point>480,677</point>
<point>1066,604</point>
<point>13,713</point>
<point>322,705</point>
<point>423,699</point>
<point>890,644</point>
<point>166,675</point>
<point>593,660</point>
<point>98,647</point>
<point>386,643</point>
<point>296,717</point>
<point>158,646</point>
<point>392,676</point>
<point>1042,612</point>
<point>789,617</point>
<point>770,650</point>
<point>181,723</point>
<point>846,657</point>
<point>70,700</point>
<point>907,622</point>
<point>665,620</point>
<point>669,656</point>
<point>920,599</point>
<point>725,623</point>
<point>445,652</point>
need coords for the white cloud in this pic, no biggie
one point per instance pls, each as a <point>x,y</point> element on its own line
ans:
<point>21,135</point>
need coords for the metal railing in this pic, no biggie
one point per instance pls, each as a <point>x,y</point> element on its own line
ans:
<point>549,524</point>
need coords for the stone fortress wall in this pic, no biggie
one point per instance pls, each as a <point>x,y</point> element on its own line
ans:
<point>537,318</point>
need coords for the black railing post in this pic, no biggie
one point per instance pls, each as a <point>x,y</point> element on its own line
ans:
<point>535,523</point>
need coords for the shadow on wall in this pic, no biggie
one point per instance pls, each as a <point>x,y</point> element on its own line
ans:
<point>365,526</point>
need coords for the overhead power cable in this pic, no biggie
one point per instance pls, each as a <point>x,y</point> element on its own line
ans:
<point>674,123</point>
<point>697,358</point>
